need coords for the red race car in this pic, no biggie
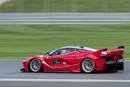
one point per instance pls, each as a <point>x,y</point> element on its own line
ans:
<point>76,59</point>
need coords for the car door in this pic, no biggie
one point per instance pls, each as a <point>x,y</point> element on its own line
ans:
<point>54,60</point>
<point>62,59</point>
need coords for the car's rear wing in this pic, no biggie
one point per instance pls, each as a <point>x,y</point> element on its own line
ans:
<point>103,52</point>
<point>117,51</point>
<point>121,47</point>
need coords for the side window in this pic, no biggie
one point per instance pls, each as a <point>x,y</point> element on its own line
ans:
<point>63,51</point>
<point>70,50</point>
<point>57,52</point>
<point>77,50</point>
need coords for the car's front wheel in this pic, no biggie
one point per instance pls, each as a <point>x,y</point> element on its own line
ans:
<point>35,65</point>
<point>88,65</point>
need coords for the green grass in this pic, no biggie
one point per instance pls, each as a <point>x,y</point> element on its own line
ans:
<point>20,41</point>
<point>66,6</point>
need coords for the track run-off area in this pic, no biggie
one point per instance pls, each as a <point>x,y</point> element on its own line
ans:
<point>64,18</point>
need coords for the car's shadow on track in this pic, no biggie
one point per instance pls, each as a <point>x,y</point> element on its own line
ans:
<point>101,72</point>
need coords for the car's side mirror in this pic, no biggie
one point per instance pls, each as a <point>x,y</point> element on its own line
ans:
<point>48,53</point>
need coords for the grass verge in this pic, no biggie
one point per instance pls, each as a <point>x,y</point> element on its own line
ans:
<point>66,6</point>
<point>20,41</point>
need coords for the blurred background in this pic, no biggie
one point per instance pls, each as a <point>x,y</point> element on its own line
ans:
<point>36,35</point>
<point>65,6</point>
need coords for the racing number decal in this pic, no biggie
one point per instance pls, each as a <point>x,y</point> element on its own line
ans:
<point>56,61</point>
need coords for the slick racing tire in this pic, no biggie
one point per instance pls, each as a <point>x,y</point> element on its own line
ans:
<point>88,65</point>
<point>35,65</point>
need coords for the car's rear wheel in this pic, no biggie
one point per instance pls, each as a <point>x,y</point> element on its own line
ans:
<point>88,65</point>
<point>35,65</point>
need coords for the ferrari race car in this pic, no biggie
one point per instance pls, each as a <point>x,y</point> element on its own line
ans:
<point>76,59</point>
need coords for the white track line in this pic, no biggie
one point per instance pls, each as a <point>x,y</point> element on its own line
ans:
<point>64,80</point>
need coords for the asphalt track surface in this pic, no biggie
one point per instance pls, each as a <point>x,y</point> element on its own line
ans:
<point>11,70</point>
